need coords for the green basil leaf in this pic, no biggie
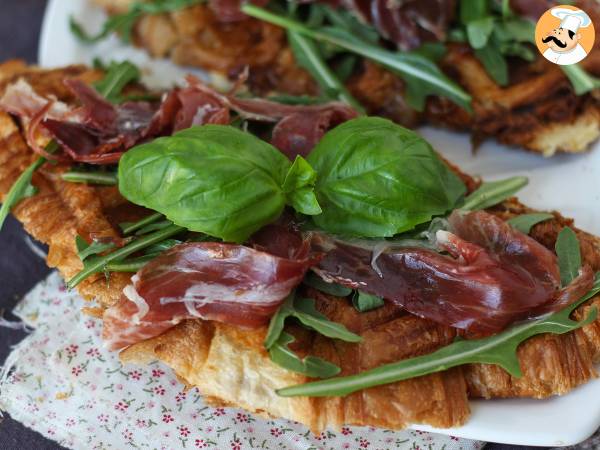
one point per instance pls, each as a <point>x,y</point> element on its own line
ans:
<point>311,366</point>
<point>582,81</point>
<point>118,76</point>
<point>494,62</point>
<point>479,31</point>
<point>525,222</point>
<point>377,179</point>
<point>307,314</point>
<point>307,55</point>
<point>299,187</point>
<point>85,250</point>
<point>364,302</point>
<point>493,192</point>
<point>315,281</point>
<point>500,349</point>
<point>569,255</point>
<point>212,179</point>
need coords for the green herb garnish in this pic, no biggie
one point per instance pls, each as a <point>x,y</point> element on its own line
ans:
<point>97,264</point>
<point>128,228</point>
<point>123,23</point>
<point>364,302</point>
<point>411,64</point>
<point>216,180</point>
<point>569,255</point>
<point>493,192</point>
<point>311,366</point>
<point>316,282</point>
<point>376,178</point>
<point>85,250</point>
<point>525,222</point>
<point>89,177</point>
<point>581,81</point>
<point>117,76</point>
<point>22,187</point>
<point>307,55</point>
<point>500,349</point>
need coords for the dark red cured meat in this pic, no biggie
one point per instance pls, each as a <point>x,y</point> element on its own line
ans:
<point>229,10</point>
<point>98,132</point>
<point>494,276</point>
<point>224,282</point>
<point>297,134</point>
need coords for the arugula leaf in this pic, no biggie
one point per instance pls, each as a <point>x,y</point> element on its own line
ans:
<point>85,250</point>
<point>216,180</point>
<point>500,349</point>
<point>155,226</point>
<point>581,81</point>
<point>494,62</point>
<point>123,23</point>
<point>366,302</point>
<point>287,99</point>
<point>377,179</point>
<point>304,310</point>
<point>479,31</point>
<point>311,366</point>
<point>131,265</point>
<point>96,264</point>
<point>118,75</point>
<point>22,187</point>
<point>299,187</point>
<point>307,55</point>
<point>493,192</point>
<point>95,177</point>
<point>128,227</point>
<point>406,64</point>
<point>315,281</point>
<point>525,222</point>
<point>569,255</point>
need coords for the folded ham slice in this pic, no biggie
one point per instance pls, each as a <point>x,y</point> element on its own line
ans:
<point>495,275</point>
<point>224,282</point>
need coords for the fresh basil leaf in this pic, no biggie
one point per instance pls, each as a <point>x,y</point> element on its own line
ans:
<point>581,81</point>
<point>525,222</point>
<point>493,192</point>
<point>500,349</point>
<point>299,187</point>
<point>212,179</point>
<point>118,75</point>
<point>494,62</point>
<point>307,314</point>
<point>85,250</point>
<point>406,64</point>
<point>315,281</point>
<point>377,179</point>
<point>311,366</point>
<point>479,31</point>
<point>364,302</point>
<point>307,55</point>
<point>569,255</point>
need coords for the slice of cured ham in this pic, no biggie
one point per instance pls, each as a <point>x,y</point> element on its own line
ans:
<point>494,276</point>
<point>224,282</point>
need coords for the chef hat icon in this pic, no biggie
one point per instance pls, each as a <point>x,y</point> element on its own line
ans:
<point>570,19</point>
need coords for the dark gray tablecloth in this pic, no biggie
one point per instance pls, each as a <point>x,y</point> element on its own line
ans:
<point>20,269</point>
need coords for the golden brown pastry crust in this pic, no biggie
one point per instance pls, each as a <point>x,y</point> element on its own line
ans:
<point>230,366</point>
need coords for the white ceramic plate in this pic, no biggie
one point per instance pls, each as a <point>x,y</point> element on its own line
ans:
<point>569,184</point>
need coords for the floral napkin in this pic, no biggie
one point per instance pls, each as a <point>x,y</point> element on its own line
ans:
<point>61,382</point>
